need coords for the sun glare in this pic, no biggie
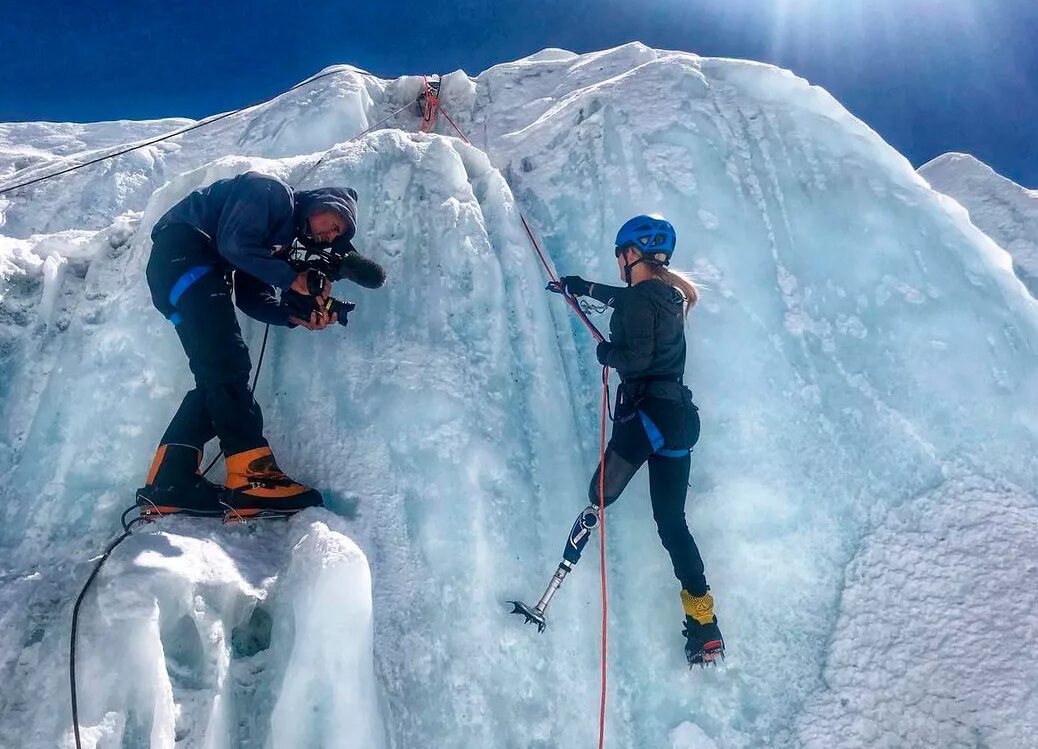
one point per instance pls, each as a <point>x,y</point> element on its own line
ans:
<point>848,27</point>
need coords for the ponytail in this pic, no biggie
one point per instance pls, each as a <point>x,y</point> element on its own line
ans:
<point>682,282</point>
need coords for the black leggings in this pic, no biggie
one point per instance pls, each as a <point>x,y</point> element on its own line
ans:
<point>662,433</point>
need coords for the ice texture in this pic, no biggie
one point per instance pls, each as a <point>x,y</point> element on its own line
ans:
<point>1002,209</point>
<point>863,492</point>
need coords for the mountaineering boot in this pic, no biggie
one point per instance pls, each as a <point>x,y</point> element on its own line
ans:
<point>258,487</point>
<point>174,485</point>
<point>703,642</point>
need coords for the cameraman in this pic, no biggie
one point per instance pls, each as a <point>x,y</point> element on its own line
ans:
<point>222,237</point>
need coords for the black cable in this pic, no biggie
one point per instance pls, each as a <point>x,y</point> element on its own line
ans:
<point>75,621</point>
<point>166,136</point>
<point>122,521</point>
<point>259,362</point>
<point>252,390</point>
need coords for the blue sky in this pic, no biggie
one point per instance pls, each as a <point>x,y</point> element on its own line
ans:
<point>929,75</point>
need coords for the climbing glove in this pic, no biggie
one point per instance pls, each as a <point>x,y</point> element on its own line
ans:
<point>575,285</point>
<point>603,351</point>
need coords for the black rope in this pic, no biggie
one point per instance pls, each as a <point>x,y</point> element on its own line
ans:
<point>252,390</point>
<point>128,529</point>
<point>166,136</point>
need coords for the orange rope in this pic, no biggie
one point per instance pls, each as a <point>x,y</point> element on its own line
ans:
<point>602,554</point>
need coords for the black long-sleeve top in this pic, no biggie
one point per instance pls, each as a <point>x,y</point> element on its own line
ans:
<point>647,329</point>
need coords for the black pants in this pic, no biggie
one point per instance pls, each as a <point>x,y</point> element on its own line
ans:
<point>221,404</point>
<point>630,446</point>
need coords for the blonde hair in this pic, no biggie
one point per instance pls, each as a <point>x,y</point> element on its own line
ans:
<point>680,281</point>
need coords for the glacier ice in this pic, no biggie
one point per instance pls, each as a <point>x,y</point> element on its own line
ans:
<point>863,492</point>
<point>1002,209</point>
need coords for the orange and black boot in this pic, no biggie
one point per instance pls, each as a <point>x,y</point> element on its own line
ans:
<point>259,488</point>
<point>174,485</point>
<point>703,641</point>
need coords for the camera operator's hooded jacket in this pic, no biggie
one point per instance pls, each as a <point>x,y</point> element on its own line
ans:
<point>244,220</point>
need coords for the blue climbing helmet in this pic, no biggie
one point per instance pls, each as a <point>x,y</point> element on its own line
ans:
<point>650,233</point>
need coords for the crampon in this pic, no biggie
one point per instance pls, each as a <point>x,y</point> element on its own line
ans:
<point>709,653</point>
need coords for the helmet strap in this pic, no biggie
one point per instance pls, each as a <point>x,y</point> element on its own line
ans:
<point>627,269</point>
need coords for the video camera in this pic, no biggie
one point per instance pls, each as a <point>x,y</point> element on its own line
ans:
<point>335,262</point>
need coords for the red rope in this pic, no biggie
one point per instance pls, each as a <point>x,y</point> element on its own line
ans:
<point>601,454</point>
<point>324,156</point>
<point>432,106</point>
<point>456,128</point>
<point>602,555</point>
<point>526,225</point>
<point>537,248</point>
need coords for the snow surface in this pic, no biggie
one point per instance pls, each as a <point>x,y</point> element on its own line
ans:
<point>863,492</point>
<point>1002,209</point>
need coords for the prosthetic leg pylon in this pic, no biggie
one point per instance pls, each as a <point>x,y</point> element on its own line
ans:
<point>579,535</point>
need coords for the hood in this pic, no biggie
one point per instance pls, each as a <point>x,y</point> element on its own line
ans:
<point>341,200</point>
<point>663,294</point>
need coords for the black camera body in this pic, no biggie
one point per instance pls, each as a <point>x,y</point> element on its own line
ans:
<point>336,262</point>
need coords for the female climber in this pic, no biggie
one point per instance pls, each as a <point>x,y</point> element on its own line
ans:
<point>654,421</point>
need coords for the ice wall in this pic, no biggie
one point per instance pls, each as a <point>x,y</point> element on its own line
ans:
<point>864,360</point>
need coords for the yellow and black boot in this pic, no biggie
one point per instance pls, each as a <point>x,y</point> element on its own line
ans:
<point>703,641</point>
<point>259,487</point>
<point>174,485</point>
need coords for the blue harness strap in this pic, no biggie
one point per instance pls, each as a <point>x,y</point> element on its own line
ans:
<point>656,438</point>
<point>183,284</point>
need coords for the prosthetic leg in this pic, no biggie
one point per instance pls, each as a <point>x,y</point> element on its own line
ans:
<point>579,534</point>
